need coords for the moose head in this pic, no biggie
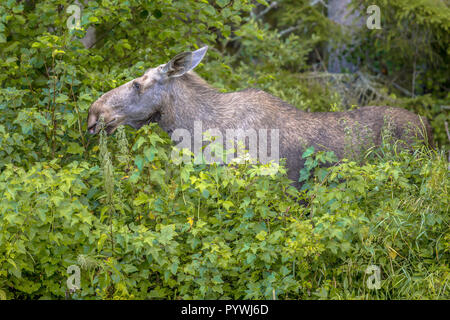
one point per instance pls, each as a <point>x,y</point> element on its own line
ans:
<point>143,99</point>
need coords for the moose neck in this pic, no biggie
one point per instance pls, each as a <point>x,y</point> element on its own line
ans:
<point>190,98</point>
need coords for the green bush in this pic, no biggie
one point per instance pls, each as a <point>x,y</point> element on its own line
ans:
<point>149,228</point>
<point>392,212</point>
<point>412,48</point>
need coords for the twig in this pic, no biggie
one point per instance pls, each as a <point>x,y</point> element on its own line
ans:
<point>321,60</point>
<point>53,109</point>
<point>407,92</point>
<point>288,30</point>
<point>78,118</point>
<point>266,10</point>
<point>369,86</point>
<point>448,137</point>
<point>446,130</point>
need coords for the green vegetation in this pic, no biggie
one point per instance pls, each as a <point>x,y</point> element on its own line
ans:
<point>140,226</point>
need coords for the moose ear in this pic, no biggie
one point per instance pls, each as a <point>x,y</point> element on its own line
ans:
<point>184,62</point>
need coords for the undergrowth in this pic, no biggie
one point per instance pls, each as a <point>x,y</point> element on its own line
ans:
<point>150,228</point>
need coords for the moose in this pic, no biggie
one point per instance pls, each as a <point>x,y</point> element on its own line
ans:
<point>175,97</point>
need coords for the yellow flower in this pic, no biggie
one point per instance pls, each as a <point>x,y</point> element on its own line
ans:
<point>190,220</point>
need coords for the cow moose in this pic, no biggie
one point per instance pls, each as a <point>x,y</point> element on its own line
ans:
<point>175,97</point>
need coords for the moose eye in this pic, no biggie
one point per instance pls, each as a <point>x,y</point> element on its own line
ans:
<point>137,86</point>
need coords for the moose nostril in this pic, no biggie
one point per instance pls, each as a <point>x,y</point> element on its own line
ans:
<point>91,129</point>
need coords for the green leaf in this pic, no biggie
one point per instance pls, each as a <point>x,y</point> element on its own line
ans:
<point>101,241</point>
<point>308,152</point>
<point>223,3</point>
<point>75,148</point>
<point>167,234</point>
<point>261,236</point>
<point>61,98</point>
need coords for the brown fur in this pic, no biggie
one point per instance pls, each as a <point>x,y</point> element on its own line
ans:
<point>188,98</point>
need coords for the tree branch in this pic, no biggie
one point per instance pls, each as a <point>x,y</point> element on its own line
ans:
<point>266,10</point>
<point>288,30</point>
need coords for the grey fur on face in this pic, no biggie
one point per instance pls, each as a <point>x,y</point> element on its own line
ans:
<point>136,102</point>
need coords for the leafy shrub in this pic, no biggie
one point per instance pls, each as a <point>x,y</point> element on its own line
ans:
<point>155,229</point>
<point>413,47</point>
<point>392,212</point>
